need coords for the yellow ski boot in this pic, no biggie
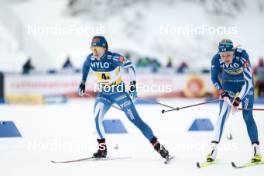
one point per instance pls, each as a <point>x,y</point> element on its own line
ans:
<point>256,156</point>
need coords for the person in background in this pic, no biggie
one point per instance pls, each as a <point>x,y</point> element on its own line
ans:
<point>67,64</point>
<point>169,63</point>
<point>27,67</point>
<point>155,65</point>
<point>259,72</point>
<point>182,67</point>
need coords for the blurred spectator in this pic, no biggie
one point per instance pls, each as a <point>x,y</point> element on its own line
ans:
<point>139,62</point>
<point>146,62</point>
<point>67,64</point>
<point>143,62</point>
<point>155,65</point>
<point>259,72</point>
<point>169,63</point>
<point>127,55</point>
<point>28,67</point>
<point>182,67</point>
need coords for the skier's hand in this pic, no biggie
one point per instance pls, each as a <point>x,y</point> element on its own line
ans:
<point>224,93</point>
<point>132,90</point>
<point>81,89</point>
<point>225,96</point>
<point>235,104</point>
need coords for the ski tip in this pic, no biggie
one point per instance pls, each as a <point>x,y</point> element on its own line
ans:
<point>55,162</point>
<point>198,165</point>
<point>233,164</point>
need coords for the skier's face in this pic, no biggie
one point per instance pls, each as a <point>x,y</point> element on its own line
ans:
<point>98,51</point>
<point>227,57</point>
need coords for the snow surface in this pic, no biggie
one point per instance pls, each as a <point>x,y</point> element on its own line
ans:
<point>65,131</point>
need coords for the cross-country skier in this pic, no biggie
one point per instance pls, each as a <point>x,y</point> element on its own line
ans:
<point>107,67</point>
<point>231,74</point>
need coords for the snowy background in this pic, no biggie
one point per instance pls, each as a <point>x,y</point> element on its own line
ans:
<point>49,30</point>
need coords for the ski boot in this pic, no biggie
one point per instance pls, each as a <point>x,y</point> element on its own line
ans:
<point>102,151</point>
<point>160,149</point>
<point>256,154</point>
<point>212,155</point>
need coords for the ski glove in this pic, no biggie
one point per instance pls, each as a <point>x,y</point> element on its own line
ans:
<point>132,90</point>
<point>81,89</point>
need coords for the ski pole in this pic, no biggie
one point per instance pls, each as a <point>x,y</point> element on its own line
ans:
<point>112,105</point>
<point>189,106</point>
<point>251,109</point>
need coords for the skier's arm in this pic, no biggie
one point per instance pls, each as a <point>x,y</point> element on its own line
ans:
<point>248,77</point>
<point>127,64</point>
<point>85,70</point>
<point>131,70</point>
<point>215,70</point>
